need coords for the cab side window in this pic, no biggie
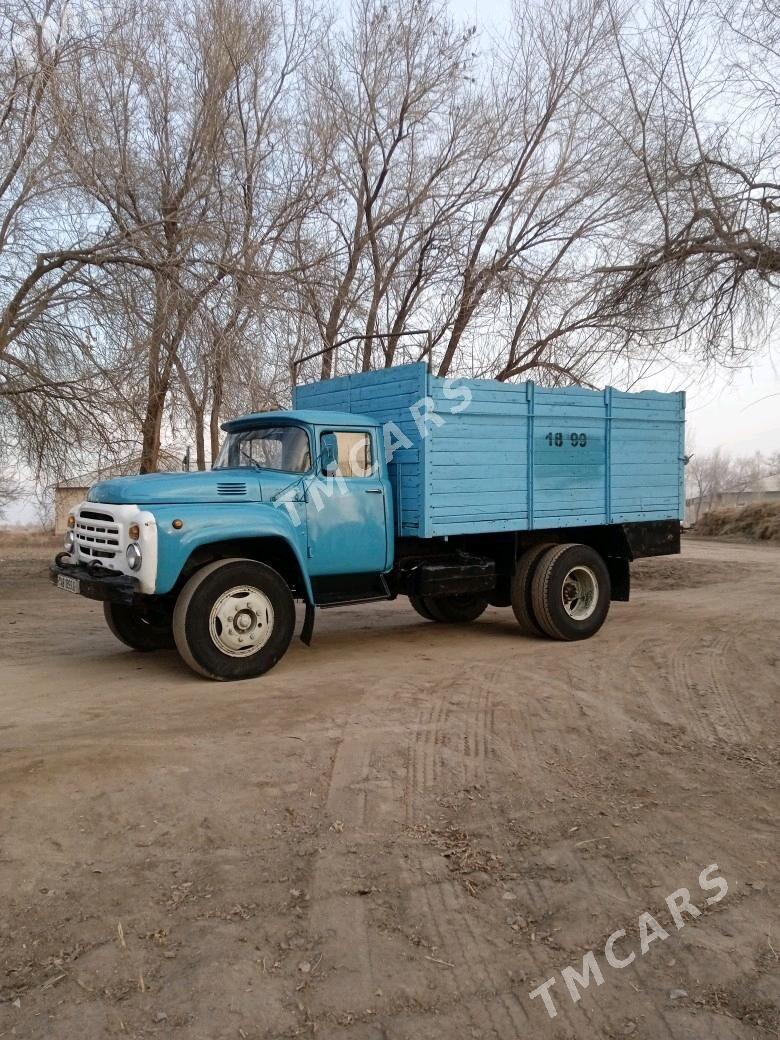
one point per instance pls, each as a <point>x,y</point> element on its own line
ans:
<point>355,458</point>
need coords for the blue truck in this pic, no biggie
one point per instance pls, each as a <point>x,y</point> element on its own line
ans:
<point>458,493</point>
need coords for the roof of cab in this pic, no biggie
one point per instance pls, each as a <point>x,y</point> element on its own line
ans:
<point>301,415</point>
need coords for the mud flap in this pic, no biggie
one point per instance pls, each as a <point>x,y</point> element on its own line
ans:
<point>308,625</point>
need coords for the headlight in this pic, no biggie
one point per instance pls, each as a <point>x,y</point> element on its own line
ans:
<point>70,541</point>
<point>134,556</point>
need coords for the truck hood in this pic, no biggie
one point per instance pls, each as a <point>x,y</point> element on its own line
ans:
<point>222,485</point>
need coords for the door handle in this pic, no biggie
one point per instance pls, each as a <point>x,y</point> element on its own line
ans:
<point>374,491</point>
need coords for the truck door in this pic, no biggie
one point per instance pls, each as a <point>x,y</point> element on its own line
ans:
<point>346,510</point>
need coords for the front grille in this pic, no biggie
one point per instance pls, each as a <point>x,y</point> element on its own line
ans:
<point>97,538</point>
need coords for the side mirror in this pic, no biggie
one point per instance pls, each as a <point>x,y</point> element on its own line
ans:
<point>329,453</point>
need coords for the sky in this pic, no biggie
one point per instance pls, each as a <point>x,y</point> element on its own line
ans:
<point>740,412</point>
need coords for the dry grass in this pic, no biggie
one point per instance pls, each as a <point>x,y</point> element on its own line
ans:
<point>18,537</point>
<point>759,522</point>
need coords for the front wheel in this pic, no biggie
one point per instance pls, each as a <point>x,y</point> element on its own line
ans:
<point>139,628</point>
<point>234,619</point>
<point>571,592</point>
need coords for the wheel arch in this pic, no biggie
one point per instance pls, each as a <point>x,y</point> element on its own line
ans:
<point>273,550</point>
<point>609,541</point>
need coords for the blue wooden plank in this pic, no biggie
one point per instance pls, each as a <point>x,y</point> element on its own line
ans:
<point>490,499</point>
<point>462,446</point>
<point>646,467</point>
<point>504,475</point>
<point>625,481</point>
<point>448,463</point>
<point>473,423</point>
<point>439,530</point>
<point>469,513</point>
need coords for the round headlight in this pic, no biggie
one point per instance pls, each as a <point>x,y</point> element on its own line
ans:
<point>70,541</point>
<point>134,556</point>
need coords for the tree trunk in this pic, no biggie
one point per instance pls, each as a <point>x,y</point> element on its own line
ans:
<point>151,431</point>
<point>216,407</point>
<point>200,438</point>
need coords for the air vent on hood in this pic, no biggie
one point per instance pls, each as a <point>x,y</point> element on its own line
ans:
<point>88,514</point>
<point>231,489</point>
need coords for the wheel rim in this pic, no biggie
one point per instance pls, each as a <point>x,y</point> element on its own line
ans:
<point>580,593</point>
<point>241,621</point>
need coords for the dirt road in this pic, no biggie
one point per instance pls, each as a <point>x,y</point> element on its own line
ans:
<point>400,832</point>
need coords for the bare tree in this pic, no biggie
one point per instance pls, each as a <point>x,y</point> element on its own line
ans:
<point>391,110</point>
<point>52,394</point>
<point>267,186</point>
<point>705,142</point>
<point>711,475</point>
<point>531,284</point>
<point>10,489</point>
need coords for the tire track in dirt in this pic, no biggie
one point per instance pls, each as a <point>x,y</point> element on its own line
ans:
<point>730,720</point>
<point>685,689</point>
<point>461,737</point>
<point>491,1007</point>
<point>701,682</point>
<point>341,919</point>
<point>749,649</point>
<point>634,906</point>
<point>444,907</point>
<point>466,734</point>
<point>361,807</point>
<point>669,659</point>
<point>603,884</point>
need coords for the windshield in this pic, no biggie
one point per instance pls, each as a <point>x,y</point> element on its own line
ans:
<point>283,448</point>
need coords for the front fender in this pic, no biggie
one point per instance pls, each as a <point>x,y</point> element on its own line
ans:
<point>205,526</point>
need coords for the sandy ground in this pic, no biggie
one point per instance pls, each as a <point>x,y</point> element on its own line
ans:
<point>400,832</point>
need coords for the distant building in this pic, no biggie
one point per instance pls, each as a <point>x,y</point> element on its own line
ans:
<point>767,489</point>
<point>69,493</point>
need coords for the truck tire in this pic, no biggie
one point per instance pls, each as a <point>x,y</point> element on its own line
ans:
<point>571,592</point>
<point>522,585</point>
<point>419,605</point>
<point>139,629</point>
<point>456,609</point>
<point>234,619</point>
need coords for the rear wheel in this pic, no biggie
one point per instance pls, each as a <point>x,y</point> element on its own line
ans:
<point>522,583</point>
<point>456,609</point>
<point>234,619</point>
<point>140,628</point>
<point>571,592</point>
<point>420,606</point>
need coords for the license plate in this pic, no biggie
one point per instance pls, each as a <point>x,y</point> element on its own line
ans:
<point>69,584</point>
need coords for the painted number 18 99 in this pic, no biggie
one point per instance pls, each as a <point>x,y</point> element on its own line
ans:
<point>557,440</point>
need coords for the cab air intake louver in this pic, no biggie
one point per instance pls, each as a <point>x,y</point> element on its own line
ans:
<point>233,490</point>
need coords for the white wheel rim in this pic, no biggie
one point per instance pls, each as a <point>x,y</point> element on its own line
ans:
<point>580,593</point>
<point>241,621</point>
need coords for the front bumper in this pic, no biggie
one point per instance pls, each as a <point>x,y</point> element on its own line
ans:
<point>95,582</point>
